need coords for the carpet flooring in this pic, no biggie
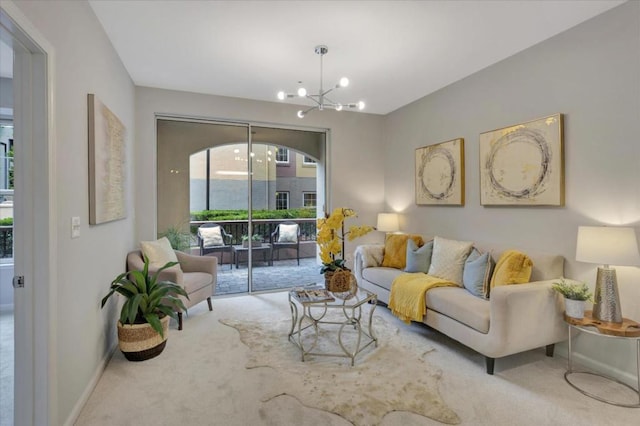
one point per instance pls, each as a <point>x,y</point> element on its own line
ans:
<point>201,379</point>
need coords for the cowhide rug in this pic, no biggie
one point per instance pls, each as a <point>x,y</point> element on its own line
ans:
<point>392,377</point>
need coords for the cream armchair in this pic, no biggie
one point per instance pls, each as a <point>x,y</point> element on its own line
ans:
<point>197,274</point>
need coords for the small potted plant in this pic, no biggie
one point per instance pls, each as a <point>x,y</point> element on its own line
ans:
<point>575,294</point>
<point>144,317</point>
<point>256,240</point>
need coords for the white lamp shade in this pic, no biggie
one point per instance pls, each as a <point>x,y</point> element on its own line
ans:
<point>388,222</point>
<point>607,245</point>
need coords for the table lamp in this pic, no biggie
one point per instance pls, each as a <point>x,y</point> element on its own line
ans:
<point>608,246</point>
<point>388,222</point>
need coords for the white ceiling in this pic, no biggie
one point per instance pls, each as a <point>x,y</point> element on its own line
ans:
<point>393,52</point>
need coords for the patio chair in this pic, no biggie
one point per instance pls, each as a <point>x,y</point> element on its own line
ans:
<point>212,238</point>
<point>286,236</point>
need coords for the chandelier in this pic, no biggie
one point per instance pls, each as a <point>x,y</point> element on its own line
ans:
<point>321,100</point>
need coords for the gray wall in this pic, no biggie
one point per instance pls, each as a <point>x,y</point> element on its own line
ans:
<point>85,62</point>
<point>591,74</point>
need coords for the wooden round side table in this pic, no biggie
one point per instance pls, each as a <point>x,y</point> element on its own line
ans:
<point>628,329</point>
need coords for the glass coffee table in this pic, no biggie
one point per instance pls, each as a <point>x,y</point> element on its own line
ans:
<point>311,308</point>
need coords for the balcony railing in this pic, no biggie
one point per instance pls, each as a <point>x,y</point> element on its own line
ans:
<point>6,242</point>
<point>262,227</point>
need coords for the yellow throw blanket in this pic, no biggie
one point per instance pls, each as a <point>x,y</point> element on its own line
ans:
<point>407,300</point>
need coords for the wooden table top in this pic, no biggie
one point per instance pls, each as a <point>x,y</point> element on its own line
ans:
<point>627,328</point>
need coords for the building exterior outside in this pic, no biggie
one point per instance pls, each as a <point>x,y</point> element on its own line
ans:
<point>281,179</point>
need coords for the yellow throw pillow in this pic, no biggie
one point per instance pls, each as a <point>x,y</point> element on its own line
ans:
<point>395,249</point>
<point>513,267</point>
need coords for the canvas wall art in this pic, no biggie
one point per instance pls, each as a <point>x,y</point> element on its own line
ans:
<point>523,165</point>
<point>440,174</point>
<point>106,164</point>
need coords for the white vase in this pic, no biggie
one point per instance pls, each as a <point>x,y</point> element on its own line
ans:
<point>574,308</point>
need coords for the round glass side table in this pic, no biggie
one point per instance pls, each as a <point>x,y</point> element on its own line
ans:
<point>628,329</point>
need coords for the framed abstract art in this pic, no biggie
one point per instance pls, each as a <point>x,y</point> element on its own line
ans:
<point>523,165</point>
<point>106,164</point>
<point>440,174</point>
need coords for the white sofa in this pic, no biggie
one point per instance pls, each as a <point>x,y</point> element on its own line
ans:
<point>514,319</point>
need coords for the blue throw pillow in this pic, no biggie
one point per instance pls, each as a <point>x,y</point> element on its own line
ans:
<point>418,258</point>
<point>477,273</point>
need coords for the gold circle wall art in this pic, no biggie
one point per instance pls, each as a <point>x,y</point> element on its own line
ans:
<point>440,174</point>
<point>523,165</point>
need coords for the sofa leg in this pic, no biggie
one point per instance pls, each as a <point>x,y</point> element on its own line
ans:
<point>549,349</point>
<point>179,320</point>
<point>490,362</point>
<point>209,302</point>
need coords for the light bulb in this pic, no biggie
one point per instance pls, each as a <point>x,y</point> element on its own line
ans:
<point>360,105</point>
<point>302,92</point>
<point>300,114</point>
<point>339,107</point>
<point>282,95</point>
<point>344,82</point>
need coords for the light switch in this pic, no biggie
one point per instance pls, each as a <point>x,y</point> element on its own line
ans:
<point>75,227</point>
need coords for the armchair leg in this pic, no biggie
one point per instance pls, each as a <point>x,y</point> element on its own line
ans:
<point>209,302</point>
<point>179,320</point>
<point>490,362</point>
<point>549,350</point>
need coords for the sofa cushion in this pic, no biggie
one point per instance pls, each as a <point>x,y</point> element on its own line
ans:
<point>381,276</point>
<point>459,304</point>
<point>395,249</point>
<point>513,267</point>
<point>158,252</point>
<point>447,260</point>
<point>477,273</point>
<point>418,258</point>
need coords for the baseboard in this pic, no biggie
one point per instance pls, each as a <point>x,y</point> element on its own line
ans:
<point>584,362</point>
<point>77,408</point>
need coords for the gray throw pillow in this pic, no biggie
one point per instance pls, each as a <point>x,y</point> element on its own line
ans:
<point>418,258</point>
<point>477,273</point>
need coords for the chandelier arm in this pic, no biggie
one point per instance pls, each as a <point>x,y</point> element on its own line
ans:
<point>313,98</point>
<point>330,102</point>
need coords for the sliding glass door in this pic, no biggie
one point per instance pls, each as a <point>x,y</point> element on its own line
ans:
<point>252,181</point>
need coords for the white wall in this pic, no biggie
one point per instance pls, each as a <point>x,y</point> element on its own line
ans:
<point>85,62</point>
<point>356,155</point>
<point>591,74</point>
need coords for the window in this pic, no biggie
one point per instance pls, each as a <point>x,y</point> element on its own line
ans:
<point>308,161</point>
<point>282,155</point>
<point>309,199</point>
<point>282,200</point>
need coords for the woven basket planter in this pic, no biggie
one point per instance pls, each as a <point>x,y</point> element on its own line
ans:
<point>139,342</point>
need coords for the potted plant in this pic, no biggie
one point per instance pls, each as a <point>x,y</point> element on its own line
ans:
<point>256,240</point>
<point>144,317</point>
<point>178,239</point>
<point>575,294</point>
<point>330,239</point>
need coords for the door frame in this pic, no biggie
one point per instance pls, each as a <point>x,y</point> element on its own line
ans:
<point>35,308</point>
<point>323,175</point>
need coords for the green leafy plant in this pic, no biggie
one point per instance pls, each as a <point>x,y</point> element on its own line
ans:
<point>178,239</point>
<point>578,291</point>
<point>147,299</point>
<point>254,237</point>
<point>7,221</point>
